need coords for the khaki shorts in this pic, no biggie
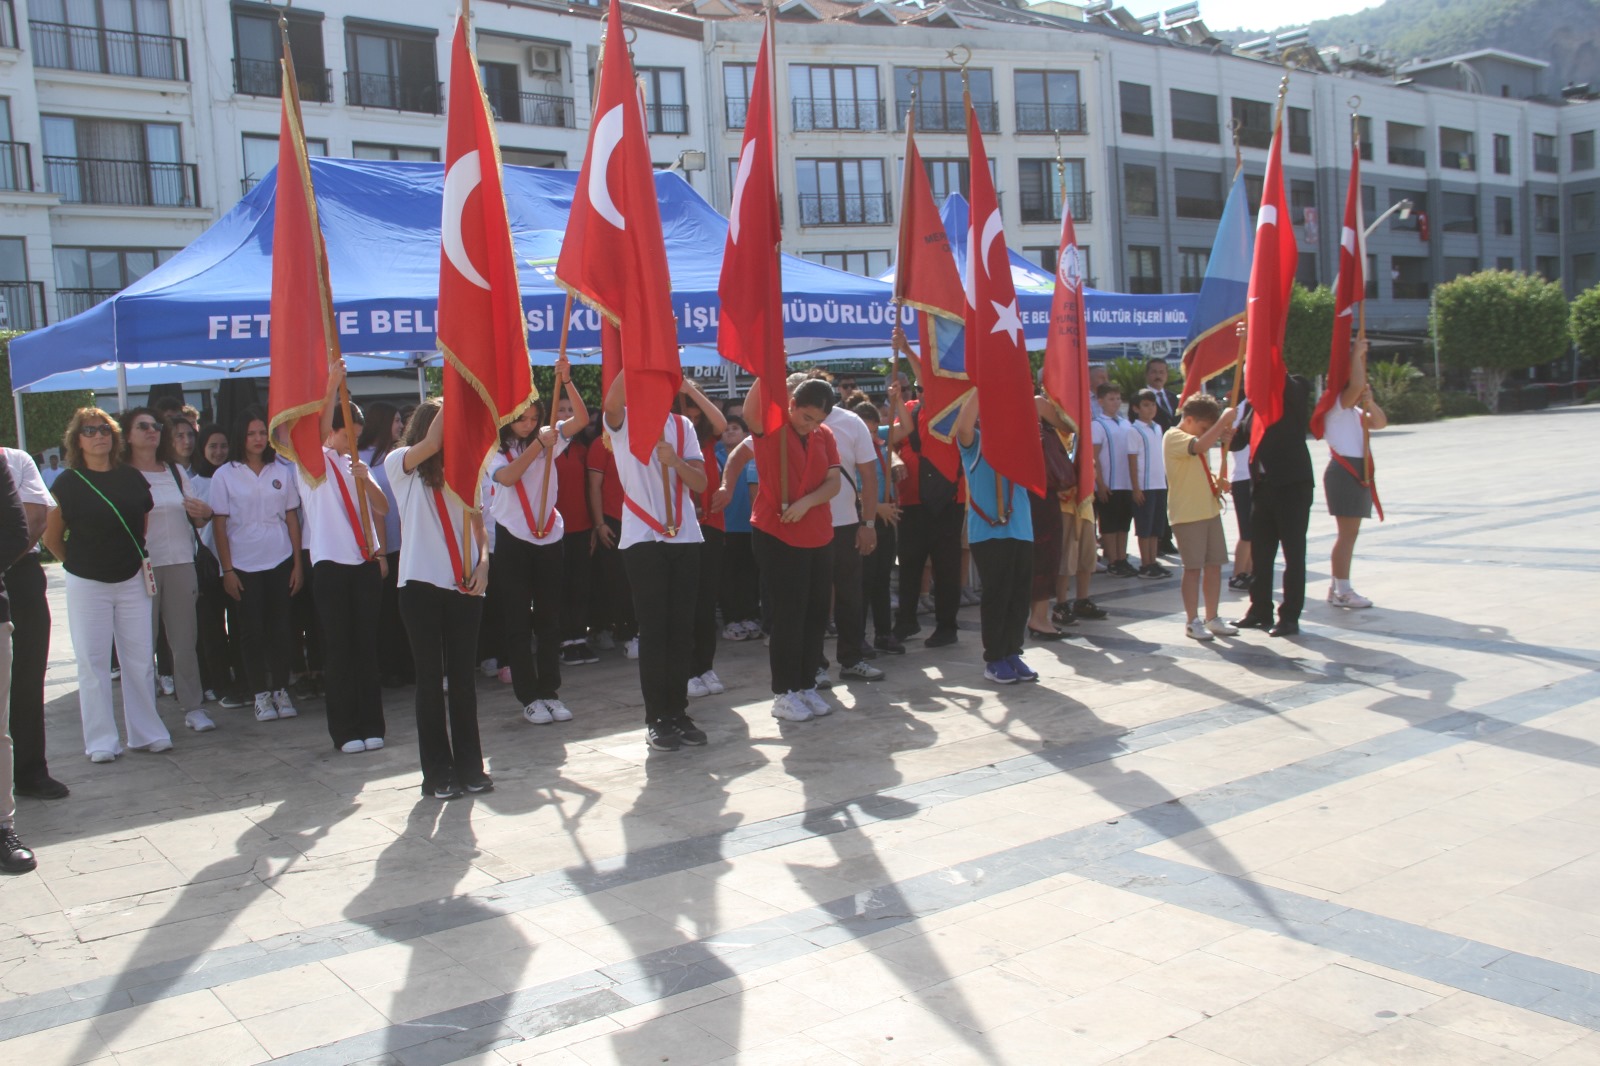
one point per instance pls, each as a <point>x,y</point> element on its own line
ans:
<point>1201,544</point>
<point>1078,546</point>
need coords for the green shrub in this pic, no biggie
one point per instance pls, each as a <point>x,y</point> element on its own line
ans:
<point>1500,321</point>
<point>1402,390</point>
<point>1585,322</point>
<point>1457,404</point>
<point>1308,335</point>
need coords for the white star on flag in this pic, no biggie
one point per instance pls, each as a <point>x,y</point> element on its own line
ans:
<point>1009,321</point>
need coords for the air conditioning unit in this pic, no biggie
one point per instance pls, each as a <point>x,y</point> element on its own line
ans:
<point>544,59</point>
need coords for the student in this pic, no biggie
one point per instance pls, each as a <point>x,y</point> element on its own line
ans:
<point>1113,488</point>
<point>660,548</point>
<point>877,568</point>
<point>1344,481</point>
<point>1048,520</point>
<point>443,576</point>
<point>1195,511</point>
<point>577,540</point>
<point>348,564</point>
<point>529,547</point>
<point>1147,473</point>
<point>709,422</point>
<point>794,543</point>
<point>931,517</point>
<point>1281,490</point>
<point>1079,549</point>
<point>16,540</point>
<point>854,510</point>
<point>741,581</point>
<point>1000,531</point>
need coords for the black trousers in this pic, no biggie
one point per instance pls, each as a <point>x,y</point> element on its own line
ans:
<point>345,596</point>
<point>741,581</point>
<point>217,637</point>
<point>492,637</point>
<point>798,581</point>
<point>443,627</point>
<point>306,643</point>
<point>1005,566</point>
<point>930,535</point>
<point>25,585</point>
<point>705,602</point>
<point>394,647</point>
<point>664,579</point>
<point>875,571</point>
<point>847,597</point>
<point>575,585</point>
<point>523,573</point>
<point>266,636</point>
<point>614,577</point>
<point>1279,515</point>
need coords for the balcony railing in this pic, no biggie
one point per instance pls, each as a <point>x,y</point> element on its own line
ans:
<point>22,305</point>
<point>1140,122</point>
<point>1410,290</point>
<point>392,93</point>
<point>261,77</point>
<point>1188,129</point>
<point>1052,118</point>
<point>734,110</point>
<point>537,109</point>
<point>1546,224</point>
<point>1253,137</point>
<point>8,24</point>
<point>1199,207</point>
<point>71,302</point>
<point>132,182</point>
<point>667,118</point>
<point>1546,163</point>
<point>1048,209</point>
<point>16,166</point>
<point>101,51</point>
<point>861,209</point>
<point>950,117</point>
<point>1407,157</point>
<point>823,113</point>
<point>1458,160</point>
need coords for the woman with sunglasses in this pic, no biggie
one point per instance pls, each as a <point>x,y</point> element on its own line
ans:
<point>98,532</point>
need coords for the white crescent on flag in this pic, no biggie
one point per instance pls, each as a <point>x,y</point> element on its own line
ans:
<point>745,161</point>
<point>991,230</point>
<point>1347,240</point>
<point>607,135</point>
<point>1267,217</point>
<point>462,178</point>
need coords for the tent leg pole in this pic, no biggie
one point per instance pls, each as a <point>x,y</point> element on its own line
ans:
<point>122,388</point>
<point>22,429</point>
<point>422,384</point>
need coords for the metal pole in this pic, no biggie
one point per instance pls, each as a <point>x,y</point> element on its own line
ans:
<point>122,388</point>
<point>22,430</point>
<point>422,382</point>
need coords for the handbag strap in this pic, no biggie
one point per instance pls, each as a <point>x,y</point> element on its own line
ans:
<point>137,543</point>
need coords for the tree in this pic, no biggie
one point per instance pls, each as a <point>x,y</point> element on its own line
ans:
<point>1309,333</point>
<point>1498,321</point>
<point>47,413</point>
<point>1585,323</point>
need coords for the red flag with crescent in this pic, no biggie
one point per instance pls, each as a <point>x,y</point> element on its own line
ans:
<point>1348,292</point>
<point>613,256</point>
<point>302,341</point>
<point>1066,350</point>
<point>482,332</point>
<point>1267,308</point>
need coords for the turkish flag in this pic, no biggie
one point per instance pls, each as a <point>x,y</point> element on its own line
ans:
<point>613,256</point>
<point>482,332</point>
<point>1272,273</point>
<point>1066,350</point>
<point>1349,291</point>
<point>750,326</point>
<point>997,356</point>
<point>302,341</point>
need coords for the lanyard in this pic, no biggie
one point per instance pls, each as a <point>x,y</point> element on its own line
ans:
<point>455,550</point>
<point>539,531</point>
<point>350,513</point>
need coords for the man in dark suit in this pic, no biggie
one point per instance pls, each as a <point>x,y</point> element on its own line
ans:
<point>1281,489</point>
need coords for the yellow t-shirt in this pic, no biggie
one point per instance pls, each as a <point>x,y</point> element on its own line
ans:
<point>1189,494</point>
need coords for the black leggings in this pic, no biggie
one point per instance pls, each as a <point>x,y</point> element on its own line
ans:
<point>522,573</point>
<point>266,637</point>
<point>394,648</point>
<point>344,596</point>
<point>799,581</point>
<point>1005,566</point>
<point>664,578</point>
<point>443,627</point>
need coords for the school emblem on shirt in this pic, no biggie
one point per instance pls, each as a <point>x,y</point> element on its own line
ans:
<point>277,484</point>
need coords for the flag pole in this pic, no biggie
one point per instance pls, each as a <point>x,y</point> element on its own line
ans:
<point>466,512</point>
<point>772,95</point>
<point>555,400</point>
<point>1001,509</point>
<point>1361,315</point>
<point>898,335</point>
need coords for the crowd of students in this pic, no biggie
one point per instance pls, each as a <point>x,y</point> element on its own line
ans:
<point>200,565</point>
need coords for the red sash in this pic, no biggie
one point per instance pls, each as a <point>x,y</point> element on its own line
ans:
<point>463,581</point>
<point>350,513</point>
<point>645,516</point>
<point>539,532</point>
<point>1370,484</point>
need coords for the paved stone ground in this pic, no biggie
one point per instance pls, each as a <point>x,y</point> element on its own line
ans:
<point>1376,843</point>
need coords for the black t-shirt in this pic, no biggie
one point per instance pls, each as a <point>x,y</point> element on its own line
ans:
<point>1282,457</point>
<point>98,548</point>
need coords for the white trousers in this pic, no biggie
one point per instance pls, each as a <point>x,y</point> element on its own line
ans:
<point>99,612</point>
<point>177,589</point>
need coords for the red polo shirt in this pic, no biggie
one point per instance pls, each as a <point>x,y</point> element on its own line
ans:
<point>572,487</point>
<point>810,458</point>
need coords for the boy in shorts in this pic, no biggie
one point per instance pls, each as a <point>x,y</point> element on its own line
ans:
<point>1147,472</point>
<point>1195,512</point>
<point>1113,491</point>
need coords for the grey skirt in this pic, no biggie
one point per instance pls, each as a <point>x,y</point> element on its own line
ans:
<point>1347,497</point>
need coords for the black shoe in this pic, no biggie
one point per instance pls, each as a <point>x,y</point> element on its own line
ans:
<point>235,700</point>
<point>42,788</point>
<point>688,732</point>
<point>1285,629</point>
<point>483,784</point>
<point>907,630</point>
<point>941,638</point>
<point>1167,548</point>
<point>1122,568</point>
<point>1251,620</point>
<point>1062,615</point>
<point>1046,635</point>
<point>447,790</point>
<point>1239,582</point>
<point>830,630</point>
<point>663,736</point>
<point>1086,609</point>
<point>889,645</point>
<point>868,651</point>
<point>1154,570</point>
<point>14,857</point>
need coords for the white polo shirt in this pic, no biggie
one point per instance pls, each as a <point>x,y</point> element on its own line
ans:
<point>1109,436</point>
<point>426,559</point>
<point>255,506</point>
<point>641,483</point>
<point>854,441</point>
<point>169,535</point>
<point>328,535</point>
<point>31,484</point>
<point>1144,444</point>
<point>1342,430</point>
<point>507,506</point>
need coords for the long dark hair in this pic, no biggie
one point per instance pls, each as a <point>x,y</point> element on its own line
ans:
<point>431,469</point>
<point>167,450</point>
<point>509,441</point>
<point>129,417</point>
<point>202,465</point>
<point>241,430</point>
<point>378,433</point>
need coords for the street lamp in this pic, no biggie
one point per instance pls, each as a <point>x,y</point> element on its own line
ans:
<point>1402,206</point>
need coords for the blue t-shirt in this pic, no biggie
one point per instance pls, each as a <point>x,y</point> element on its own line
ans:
<point>882,448</point>
<point>981,500</point>
<point>736,516</point>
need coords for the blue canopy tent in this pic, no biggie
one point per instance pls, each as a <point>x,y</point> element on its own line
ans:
<point>381,221</point>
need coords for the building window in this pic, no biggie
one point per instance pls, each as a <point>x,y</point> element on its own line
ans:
<point>261,155</point>
<point>391,68</point>
<point>1305,274</point>
<point>1545,160</point>
<point>532,157</point>
<point>1410,273</point>
<point>1457,149</point>
<point>85,276</point>
<point>1546,214</point>
<point>665,106</point>
<point>1547,267</point>
<point>1192,263</point>
<point>1198,193</point>
<point>1582,204</point>
<point>1504,216</point>
<point>1406,145</point>
<point>21,300</point>
<point>1252,193</point>
<point>868,264</point>
<point>1460,213</point>
<point>362,150</point>
<point>1504,262</point>
<point>1455,266</point>
<point>16,157</point>
<point>1300,131</point>
<point>99,161</point>
<point>1144,269</point>
<point>1302,198</point>
<point>1049,102</point>
<point>1194,116</point>
<point>842,192</point>
<point>1137,114</point>
<point>1502,154</point>
<point>502,87</point>
<point>947,176</point>
<point>1139,190</point>
<point>738,82</point>
<point>1583,153</point>
<point>111,37</point>
<point>1039,189</point>
<point>257,47</point>
<point>1372,276</point>
<point>1583,271</point>
<point>1369,202</point>
<point>836,98</point>
<point>939,103</point>
<point>1364,136</point>
<point>1254,118</point>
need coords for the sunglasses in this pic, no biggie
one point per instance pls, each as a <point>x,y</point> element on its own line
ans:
<point>95,431</point>
<point>147,427</point>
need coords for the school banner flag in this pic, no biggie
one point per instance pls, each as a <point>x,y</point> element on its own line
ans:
<point>1272,271</point>
<point>1349,291</point>
<point>925,275</point>
<point>1066,352</point>
<point>1213,344</point>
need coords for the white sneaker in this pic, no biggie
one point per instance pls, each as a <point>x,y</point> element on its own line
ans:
<point>752,629</point>
<point>558,710</point>
<point>538,713</point>
<point>373,743</point>
<point>168,686</point>
<point>1197,629</point>
<point>790,708</point>
<point>210,695</point>
<point>815,702</point>
<point>159,747</point>
<point>102,756</point>
<point>713,683</point>
<point>280,700</point>
<point>735,631</point>
<point>490,667</point>
<point>1351,599</point>
<point>199,721</point>
<point>266,710</point>
<point>1221,628</point>
<point>351,747</point>
<point>631,649</point>
<point>697,688</point>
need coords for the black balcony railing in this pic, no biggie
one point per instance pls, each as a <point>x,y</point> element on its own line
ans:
<point>1300,144</point>
<point>261,77</point>
<point>392,93</point>
<point>950,117</point>
<point>101,51</point>
<point>71,302</point>
<point>1458,160</point>
<point>1546,224</point>
<point>1188,129</point>
<point>1407,157</point>
<point>734,110</point>
<point>22,305</point>
<point>1254,137</point>
<point>132,182</point>
<point>667,118</point>
<point>823,113</point>
<point>1410,290</point>
<point>16,166</point>
<point>8,24</point>
<point>535,109</point>
<point>1052,118</point>
<point>1546,164</point>
<point>859,209</point>
<point>1048,208</point>
<point>1199,207</point>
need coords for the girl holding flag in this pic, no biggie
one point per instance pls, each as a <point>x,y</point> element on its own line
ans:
<point>1347,489</point>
